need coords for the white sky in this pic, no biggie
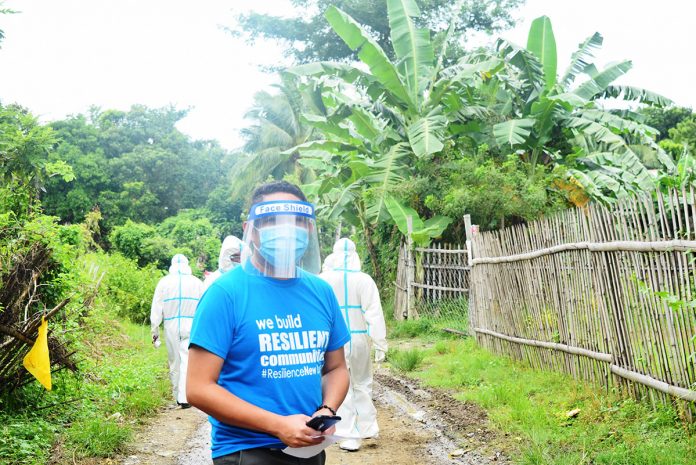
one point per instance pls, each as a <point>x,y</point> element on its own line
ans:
<point>61,56</point>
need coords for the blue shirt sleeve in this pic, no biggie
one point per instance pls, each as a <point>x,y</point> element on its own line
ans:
<point>213,324</point>
<point>339,332</point>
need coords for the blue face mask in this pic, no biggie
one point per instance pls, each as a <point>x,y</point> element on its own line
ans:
<point>280,245</point>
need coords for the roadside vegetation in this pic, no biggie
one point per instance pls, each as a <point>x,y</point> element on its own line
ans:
<point>121,381</point>
<point>544,418</point>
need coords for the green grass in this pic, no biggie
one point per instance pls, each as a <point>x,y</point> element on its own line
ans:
<point>121,381</point>
<point>531,406</point>
<point>406,360</point>
<point>98,437</point>
<point>428,329</point>
<point>411,328</point>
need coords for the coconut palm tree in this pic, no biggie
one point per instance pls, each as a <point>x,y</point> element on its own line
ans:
<point>276,126</point>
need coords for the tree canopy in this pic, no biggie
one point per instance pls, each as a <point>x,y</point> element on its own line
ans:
<point>310,38</point>
<point>131,165</point>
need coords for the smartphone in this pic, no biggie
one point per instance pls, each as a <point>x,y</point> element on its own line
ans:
<point>323,422</point>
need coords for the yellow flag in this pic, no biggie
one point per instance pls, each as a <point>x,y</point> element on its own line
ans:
<point>37,361</point>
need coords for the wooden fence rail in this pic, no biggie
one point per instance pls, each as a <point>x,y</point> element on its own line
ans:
<point>605,294</point>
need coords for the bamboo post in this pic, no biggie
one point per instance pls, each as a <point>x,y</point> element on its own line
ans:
<point>400,304</point>
<point>469,257</point>
<point>410,270</point>
<point>469,238</point>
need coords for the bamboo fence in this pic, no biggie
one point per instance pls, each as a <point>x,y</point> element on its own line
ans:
<point>604,294</point>
<point>433,282</point>
<point>442,272</point>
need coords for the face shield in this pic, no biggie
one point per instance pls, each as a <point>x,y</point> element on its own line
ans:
<point>280,239</point>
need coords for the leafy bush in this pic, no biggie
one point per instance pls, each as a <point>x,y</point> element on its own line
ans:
<point>128,239</point>
<point>127,289</point>
<point>406,360</point>
<point>188,233</point>
<point>493,192</point>
<point>190,229</point>
<point>159,251</point>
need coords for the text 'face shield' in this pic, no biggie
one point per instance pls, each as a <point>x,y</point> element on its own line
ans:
<point>280,237</point>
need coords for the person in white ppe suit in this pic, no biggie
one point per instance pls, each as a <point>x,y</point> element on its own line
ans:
<point>358,298</point>
<point>329,264</point>
<point>174,304</point>
<point>230,254</point>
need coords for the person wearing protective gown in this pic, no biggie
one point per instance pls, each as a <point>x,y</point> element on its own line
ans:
<point>229,258</point>
<point>359,300</point>
<point>174,304</point>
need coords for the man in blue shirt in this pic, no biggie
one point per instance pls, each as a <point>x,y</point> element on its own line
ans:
<point>267,341</point>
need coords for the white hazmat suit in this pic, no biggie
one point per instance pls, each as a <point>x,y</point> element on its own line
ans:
<point>229,258</point>
<point>358,298</point>
<point>174,304</point>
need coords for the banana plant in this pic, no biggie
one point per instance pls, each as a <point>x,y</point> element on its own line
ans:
<point>382,116</point>
<point>540,109</point>
<point>422,232</point>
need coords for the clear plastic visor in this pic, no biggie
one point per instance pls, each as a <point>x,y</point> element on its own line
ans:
<point>280,240</point>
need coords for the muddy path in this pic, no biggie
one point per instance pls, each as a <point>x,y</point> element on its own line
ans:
<point>418,426</point>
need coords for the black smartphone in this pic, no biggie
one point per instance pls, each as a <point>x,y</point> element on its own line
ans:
<point>323,422</point>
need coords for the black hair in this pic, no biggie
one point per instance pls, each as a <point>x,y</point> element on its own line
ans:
<point>274,187</point>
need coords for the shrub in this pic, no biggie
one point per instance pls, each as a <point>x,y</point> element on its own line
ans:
<point>127,289</point>
<point>129,238</point>
<point>407,360</point>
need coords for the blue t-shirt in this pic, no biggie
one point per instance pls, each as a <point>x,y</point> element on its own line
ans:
<point>272,335</point>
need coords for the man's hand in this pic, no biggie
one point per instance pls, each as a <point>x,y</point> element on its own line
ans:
<point>155,341</point>
<point>325,411</point>
<point>380,355</point>
<point>294,432</point>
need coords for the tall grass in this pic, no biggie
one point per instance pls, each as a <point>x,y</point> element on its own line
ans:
<point>406,360</point>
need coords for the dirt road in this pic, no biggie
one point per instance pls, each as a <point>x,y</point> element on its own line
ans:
<point>418,426</point>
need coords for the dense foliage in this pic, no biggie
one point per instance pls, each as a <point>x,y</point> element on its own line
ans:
<point>498,134</point>
<point>132,165</point>
<point>42,263</point>
<point>190,233</point>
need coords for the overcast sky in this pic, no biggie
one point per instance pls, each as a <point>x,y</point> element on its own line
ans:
<point>61,56</point>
